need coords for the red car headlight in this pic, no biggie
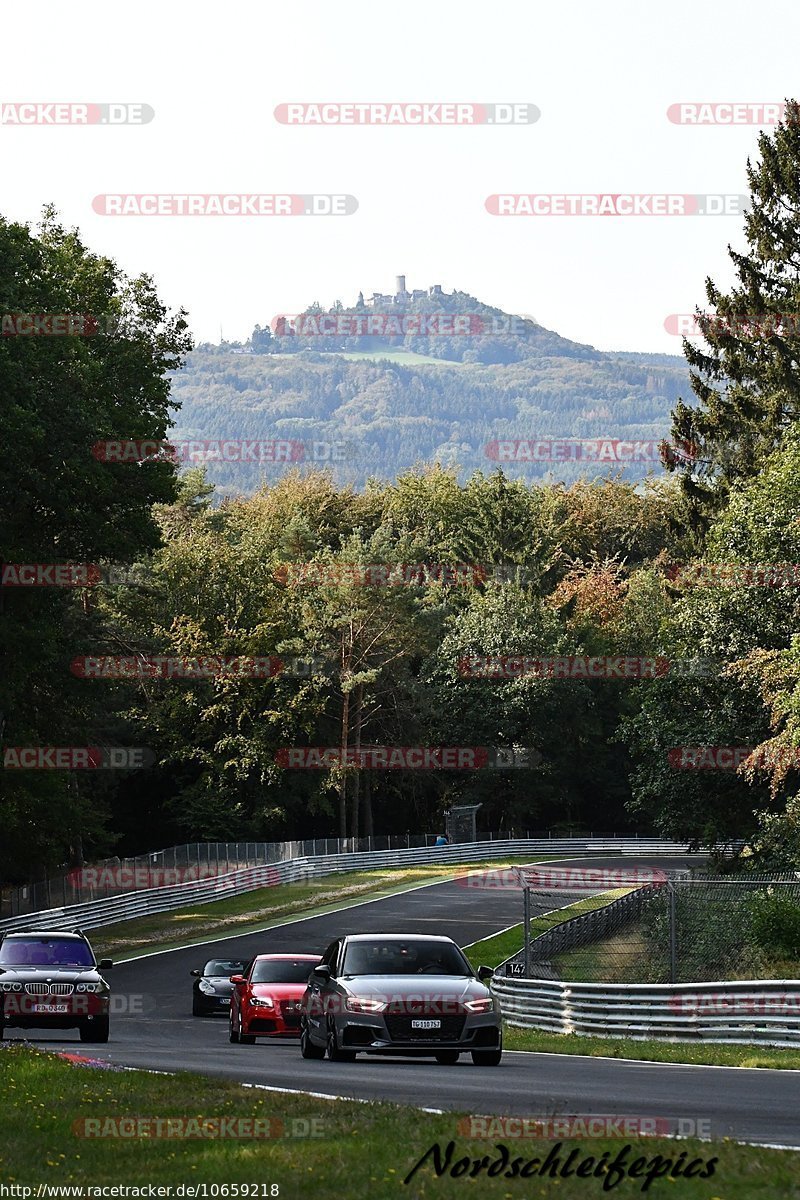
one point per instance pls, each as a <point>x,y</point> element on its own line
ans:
<point>262,1001</point>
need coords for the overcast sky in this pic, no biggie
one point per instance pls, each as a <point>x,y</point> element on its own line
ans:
<point>603,77</point>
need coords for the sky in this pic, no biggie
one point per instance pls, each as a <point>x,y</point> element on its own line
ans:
<point>602,77</point>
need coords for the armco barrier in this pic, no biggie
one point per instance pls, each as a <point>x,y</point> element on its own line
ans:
<point>745,1011</point>
<point>195,860</point>
<point>94,914</point>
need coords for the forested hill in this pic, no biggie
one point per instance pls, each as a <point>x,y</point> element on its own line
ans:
<point>382,404</point>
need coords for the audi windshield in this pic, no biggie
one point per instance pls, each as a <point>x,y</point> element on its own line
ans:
<point>404,958</point>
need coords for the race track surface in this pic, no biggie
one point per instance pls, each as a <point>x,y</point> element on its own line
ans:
<point>159,1032</point>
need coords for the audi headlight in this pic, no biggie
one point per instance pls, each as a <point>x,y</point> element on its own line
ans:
<point>262,1001</point>
<point>362,1004</point>
<point>207,988</point>
<point>481,1005</point>
<point>88,987</point>
<point>12,987</point>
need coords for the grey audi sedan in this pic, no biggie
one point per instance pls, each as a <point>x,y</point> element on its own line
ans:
<point>400,994</point>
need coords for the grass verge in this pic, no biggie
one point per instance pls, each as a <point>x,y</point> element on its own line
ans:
<point>359,1151</point>
<point>537,1040</point>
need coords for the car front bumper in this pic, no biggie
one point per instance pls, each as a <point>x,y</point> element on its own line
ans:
<point>395,1034</point>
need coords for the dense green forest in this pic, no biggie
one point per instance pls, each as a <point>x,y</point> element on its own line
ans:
<point>641,640</point>
<point>382,417</point>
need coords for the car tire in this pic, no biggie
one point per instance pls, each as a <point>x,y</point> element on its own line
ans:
<point>487,1058</point>
<point>307,1048</point>
<point>197,1011</point>
<point>94,1031</point>
<point>447,1057</point>
<point>233,1033</point>
<point>245,1039</point>
<point>333,1051</point>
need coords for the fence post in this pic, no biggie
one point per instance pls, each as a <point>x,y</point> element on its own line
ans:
<point>526,933</point>
<point>673,936</point>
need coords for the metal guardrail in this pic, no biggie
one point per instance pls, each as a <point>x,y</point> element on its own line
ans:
<point>94,914</point>
<point>195,860</point>
<point>741,1011</point>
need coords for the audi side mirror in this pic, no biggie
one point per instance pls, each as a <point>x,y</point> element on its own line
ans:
<point>485,972</point>
<point>105,964</point>
<point>238,979</point>
<point>322,972</point>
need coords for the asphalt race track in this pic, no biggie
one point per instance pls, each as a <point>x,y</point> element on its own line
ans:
<point>160,1033</point>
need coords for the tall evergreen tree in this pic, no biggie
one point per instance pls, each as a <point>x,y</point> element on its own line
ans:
<point>747,377</point>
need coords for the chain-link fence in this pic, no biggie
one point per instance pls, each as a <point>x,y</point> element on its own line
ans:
<point>689,929</point>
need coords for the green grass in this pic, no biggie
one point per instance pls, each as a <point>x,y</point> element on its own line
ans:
<point>536,1040</point>
<point>496,949</point>
<point>628,957</point>
<point>361,1151</point>
<point>622,958</point>
<point>257,910</point>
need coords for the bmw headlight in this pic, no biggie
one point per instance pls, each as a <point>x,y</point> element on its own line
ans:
<point>12,987</point>
<point>207,988</point>
<point>88,987</point>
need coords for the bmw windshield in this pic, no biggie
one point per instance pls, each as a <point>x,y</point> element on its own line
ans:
<point>45,952</point>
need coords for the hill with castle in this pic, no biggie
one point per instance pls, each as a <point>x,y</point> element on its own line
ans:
<point>419,376</point>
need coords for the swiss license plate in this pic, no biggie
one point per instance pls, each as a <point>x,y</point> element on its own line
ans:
<point>50,1008</point>
<point>223,1000</point>
<point>426,1024</point>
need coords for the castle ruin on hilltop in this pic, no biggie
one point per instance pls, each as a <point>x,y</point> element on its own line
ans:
<point>401,296</point>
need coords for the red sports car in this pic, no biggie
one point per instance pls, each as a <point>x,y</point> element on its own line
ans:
<point>266,1000</point>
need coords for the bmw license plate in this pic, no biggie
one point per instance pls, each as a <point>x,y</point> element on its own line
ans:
<point>50,1008</point>
<point>426,1024</point>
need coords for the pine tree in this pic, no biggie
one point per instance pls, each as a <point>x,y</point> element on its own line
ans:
<point>746,378</point>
